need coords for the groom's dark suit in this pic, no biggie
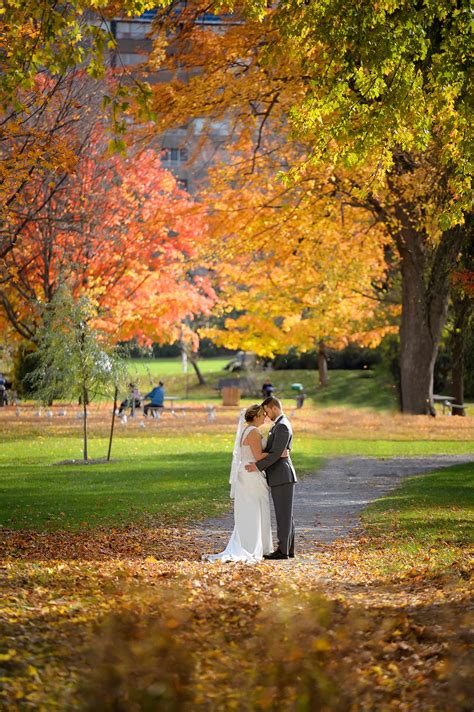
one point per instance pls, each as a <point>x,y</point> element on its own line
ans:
<point>281,478</point>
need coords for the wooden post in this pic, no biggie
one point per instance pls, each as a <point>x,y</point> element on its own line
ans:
<point>84,410</point>
<point>113,423</point>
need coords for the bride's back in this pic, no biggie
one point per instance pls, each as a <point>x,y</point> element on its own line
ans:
<point>246,454</point>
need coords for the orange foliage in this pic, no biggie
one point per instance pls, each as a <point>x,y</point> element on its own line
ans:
<point>296,259</point>
<point>465,280</point>
<point>121,230</point>
<point>294,262</point>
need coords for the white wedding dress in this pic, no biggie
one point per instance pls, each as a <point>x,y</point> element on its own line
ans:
<point>252,535</point>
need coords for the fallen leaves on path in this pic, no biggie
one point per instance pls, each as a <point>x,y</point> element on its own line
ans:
<point>134,619</point>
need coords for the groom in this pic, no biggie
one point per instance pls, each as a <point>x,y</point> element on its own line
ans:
<point>281,477</point>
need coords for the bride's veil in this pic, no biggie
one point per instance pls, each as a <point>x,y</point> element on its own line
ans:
<point>236,454</point>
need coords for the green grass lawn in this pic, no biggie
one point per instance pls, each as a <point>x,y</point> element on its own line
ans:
<point>350,389</point>
<point>166,478</point>
<point>178,476</point>
<point>163,477</point>
<point>162,367</point>
<point>427,522</point>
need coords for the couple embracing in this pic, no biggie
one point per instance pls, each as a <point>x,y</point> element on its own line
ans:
<point>256,472</point>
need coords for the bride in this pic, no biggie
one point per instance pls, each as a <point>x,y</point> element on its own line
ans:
<point>252,535</point>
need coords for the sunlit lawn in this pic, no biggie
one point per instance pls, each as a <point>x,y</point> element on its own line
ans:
<point>155,474</point>
<point>177,469</point>
<point>369,389</point>
<point>173,366</point>
<point>426,522</point>
<point>166,476</point>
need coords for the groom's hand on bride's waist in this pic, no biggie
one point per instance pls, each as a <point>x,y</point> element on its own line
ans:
<point>252,467</point>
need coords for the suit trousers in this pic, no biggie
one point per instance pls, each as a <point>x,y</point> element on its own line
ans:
<point>282,496</point>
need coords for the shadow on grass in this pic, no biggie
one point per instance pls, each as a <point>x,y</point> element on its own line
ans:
<point>175,487</point>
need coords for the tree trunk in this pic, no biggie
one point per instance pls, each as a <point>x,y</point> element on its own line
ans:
<point>200,377</point>
<point>112,423</point>
<point>418,351</point>
<point>425,293</point>
<point>458,375</point>
<point>419,337</point>
<point>84,410</point>
<point>322,365</point>
<point>462,308</point>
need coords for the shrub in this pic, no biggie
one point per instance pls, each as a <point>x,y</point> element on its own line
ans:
<point>139,665</point>
<point>26,361</point>
<point>352,357</point>
<point>294,659</point>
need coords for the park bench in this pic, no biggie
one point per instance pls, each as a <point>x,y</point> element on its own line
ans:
<point>154,410</point>
<point>175,411</point>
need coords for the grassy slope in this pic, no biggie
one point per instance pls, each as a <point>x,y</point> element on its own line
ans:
<point>426,522</point>
<point>367,389</point>
<point>173,366</point>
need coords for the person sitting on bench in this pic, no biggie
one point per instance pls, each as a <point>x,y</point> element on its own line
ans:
<point>157,396</point>
<point>133,400</point>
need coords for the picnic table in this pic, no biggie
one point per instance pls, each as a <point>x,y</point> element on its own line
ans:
<point>447,403</point>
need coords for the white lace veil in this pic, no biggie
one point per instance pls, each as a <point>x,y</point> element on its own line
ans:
<point>236,454</point>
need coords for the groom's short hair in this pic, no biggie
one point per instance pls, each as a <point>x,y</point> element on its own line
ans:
<point>271,402</point>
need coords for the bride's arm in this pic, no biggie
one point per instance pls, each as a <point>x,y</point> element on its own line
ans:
<point>254,440</point>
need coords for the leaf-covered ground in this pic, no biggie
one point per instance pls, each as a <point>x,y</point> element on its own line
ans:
<point>134,619</point>
<point>130,616</point>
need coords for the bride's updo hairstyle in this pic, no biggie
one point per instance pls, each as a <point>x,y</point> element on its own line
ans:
<point>253,412</point>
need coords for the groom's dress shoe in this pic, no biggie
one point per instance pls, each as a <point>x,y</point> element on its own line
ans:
<point>275,556</point>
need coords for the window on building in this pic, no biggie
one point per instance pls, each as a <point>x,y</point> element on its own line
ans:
<point>174,155</point>
<point>131,30</point>
<point>130,58</point>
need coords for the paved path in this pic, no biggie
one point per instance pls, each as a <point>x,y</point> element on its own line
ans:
<point>328,503</point>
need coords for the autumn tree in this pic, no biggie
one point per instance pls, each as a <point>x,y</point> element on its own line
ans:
<point>382,87</point>
<point>42,44</point>
<point>294,264</point>
<point>120,231</point>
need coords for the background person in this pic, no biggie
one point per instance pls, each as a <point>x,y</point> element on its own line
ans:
<point>133,400</point>
<point>157,398</point>
<point>267,388</point>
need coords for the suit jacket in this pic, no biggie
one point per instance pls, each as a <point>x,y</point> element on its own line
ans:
<point>279,470</point>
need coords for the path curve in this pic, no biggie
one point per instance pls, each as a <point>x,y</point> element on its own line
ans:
<point>328,503</point>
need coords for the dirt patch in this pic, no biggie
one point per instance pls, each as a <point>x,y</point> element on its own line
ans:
<point>91,461</point>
